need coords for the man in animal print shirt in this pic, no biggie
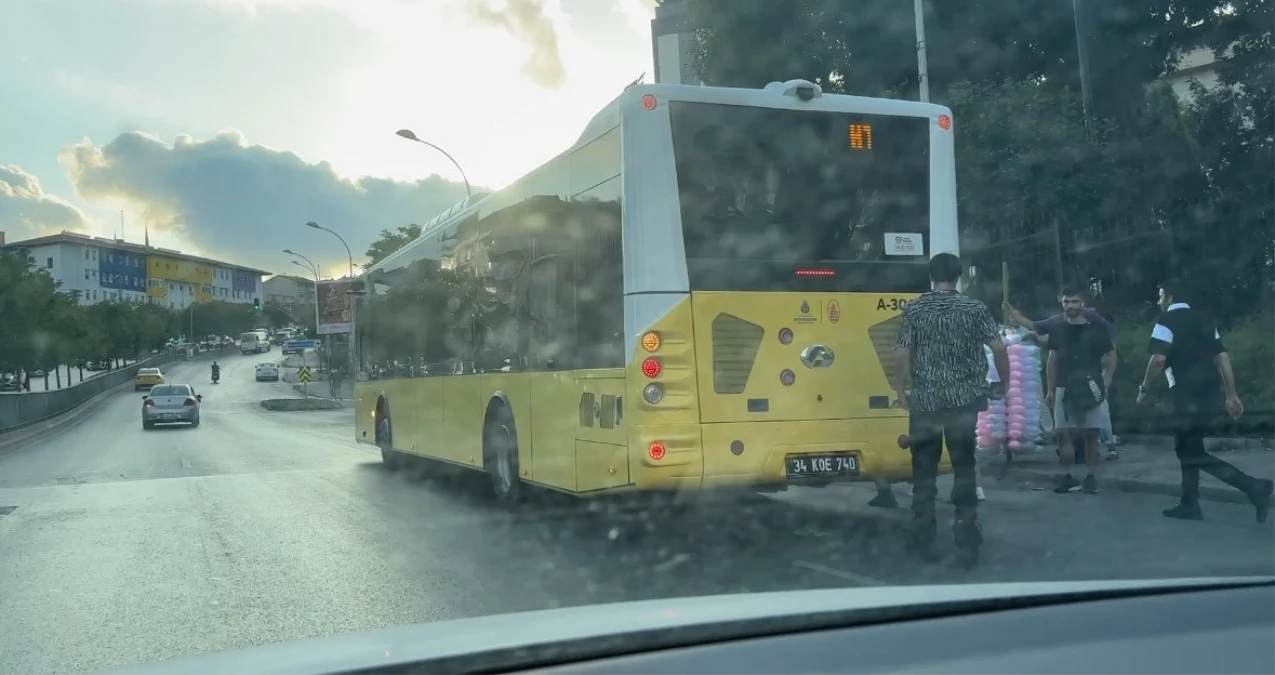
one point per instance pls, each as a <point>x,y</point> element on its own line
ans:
<point>940,353</point>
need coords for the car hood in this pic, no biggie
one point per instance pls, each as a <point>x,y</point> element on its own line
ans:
<point>520,632</point>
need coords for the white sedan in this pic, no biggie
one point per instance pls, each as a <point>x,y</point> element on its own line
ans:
<point>267,372</point>
<point>171,403</point>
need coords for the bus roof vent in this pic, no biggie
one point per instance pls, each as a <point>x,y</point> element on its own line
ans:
<point>803,90</point>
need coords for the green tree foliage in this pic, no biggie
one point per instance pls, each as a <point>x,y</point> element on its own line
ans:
<point>1147,188</point>
<point>869,49</point>
<point>36,316</point>
<point>388,242</point>
<point>1150,186</point>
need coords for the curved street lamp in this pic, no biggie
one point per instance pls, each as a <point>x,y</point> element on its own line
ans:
<point>407,133</point>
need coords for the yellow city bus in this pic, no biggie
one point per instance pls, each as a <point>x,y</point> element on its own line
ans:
<point>704,290</point>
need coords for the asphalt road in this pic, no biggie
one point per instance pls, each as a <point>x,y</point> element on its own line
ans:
<point>120,546</point>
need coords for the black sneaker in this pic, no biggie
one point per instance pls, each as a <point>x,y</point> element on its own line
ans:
<point>1261,495</point>
<point>968,535</point>
<point>1185,511</point>
<point>1065,483</point>
<point>1090,485</point>
<point>884,500</point>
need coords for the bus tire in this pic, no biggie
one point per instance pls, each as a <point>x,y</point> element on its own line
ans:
<point>500,454</point>
<point>385,436</point>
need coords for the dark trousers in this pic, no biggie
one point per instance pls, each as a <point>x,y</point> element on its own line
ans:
<point>1193,422</point>
<point>928,431</point>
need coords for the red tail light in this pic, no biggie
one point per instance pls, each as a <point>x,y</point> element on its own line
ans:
<point>189,401</point>
<point>148,403</point>
<point>651,367</point>
<point>815,273</point>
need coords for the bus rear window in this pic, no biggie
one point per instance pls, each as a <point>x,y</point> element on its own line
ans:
<point>782,199</point>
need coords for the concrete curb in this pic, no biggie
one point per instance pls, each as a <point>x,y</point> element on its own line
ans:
<point>1211,444</point>
<point>299,404</point>
<point>345,403</point>
<point>1044,478</point>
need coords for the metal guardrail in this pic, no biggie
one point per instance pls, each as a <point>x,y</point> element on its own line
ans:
<point>18,410</point>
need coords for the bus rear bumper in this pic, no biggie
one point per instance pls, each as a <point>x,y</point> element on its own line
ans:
<point>764,454</point>
<point>754,455</point>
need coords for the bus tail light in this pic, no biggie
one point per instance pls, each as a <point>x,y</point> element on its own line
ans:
<point>651,341</point>
<point>653,393</point>
<point>787,377</point>
<point>656,450</point>
<point>651,367</point>
<point>904,441</point>
<point>807,272</point>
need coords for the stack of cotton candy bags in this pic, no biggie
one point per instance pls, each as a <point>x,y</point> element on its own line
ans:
<point>993,426</point>
<point>1023,396</point>
<point>1013,422</point>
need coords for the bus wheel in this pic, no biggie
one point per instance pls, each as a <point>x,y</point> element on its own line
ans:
<point>500,450</point>
<point>384,439</point>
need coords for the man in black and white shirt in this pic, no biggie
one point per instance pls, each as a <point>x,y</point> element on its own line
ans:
<point>1187,346</point>
<point>940,350</point>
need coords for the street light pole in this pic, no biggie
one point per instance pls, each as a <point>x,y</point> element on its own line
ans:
<point>348,255</point>
<point>407,133</point>
<point>349,344</point>
<point>1081,18</point>
<point>922,61</point>
<point>314,268</point>
<point>315,271</point>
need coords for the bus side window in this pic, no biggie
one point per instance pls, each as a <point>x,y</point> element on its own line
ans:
<point>551,319</point>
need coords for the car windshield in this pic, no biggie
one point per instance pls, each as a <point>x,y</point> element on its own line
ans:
<point>609,300</point>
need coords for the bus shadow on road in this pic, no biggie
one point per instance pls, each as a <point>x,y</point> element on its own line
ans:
<point>724,520</point>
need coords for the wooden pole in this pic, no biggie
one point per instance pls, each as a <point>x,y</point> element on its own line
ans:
<point>1004,289</point>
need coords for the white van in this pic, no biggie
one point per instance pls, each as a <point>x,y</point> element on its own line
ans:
<point>254,342</point>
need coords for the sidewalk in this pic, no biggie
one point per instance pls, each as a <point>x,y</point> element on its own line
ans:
<point>1142,468</point>
<point>1150,468</point>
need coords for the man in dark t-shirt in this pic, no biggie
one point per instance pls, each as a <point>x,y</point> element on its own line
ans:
<point>1082,361</point>
<point>1041,330</point>
<point>1187,346</point>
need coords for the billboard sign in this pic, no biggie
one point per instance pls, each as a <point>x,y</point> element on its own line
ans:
<point>335,310</point>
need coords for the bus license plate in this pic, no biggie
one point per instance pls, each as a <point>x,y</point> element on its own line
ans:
<point>841,464</point>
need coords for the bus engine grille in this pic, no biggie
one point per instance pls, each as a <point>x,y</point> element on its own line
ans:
<point>884,336</point>
<point>735,346</point>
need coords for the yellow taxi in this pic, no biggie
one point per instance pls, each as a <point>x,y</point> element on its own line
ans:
<point>147,378</point>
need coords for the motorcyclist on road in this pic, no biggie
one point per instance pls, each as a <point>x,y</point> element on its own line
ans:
<point>216,371</point>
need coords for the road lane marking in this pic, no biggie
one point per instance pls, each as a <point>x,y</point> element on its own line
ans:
<point>841,574</point>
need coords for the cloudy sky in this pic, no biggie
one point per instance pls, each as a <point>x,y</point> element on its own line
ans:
<point>226,124</point>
